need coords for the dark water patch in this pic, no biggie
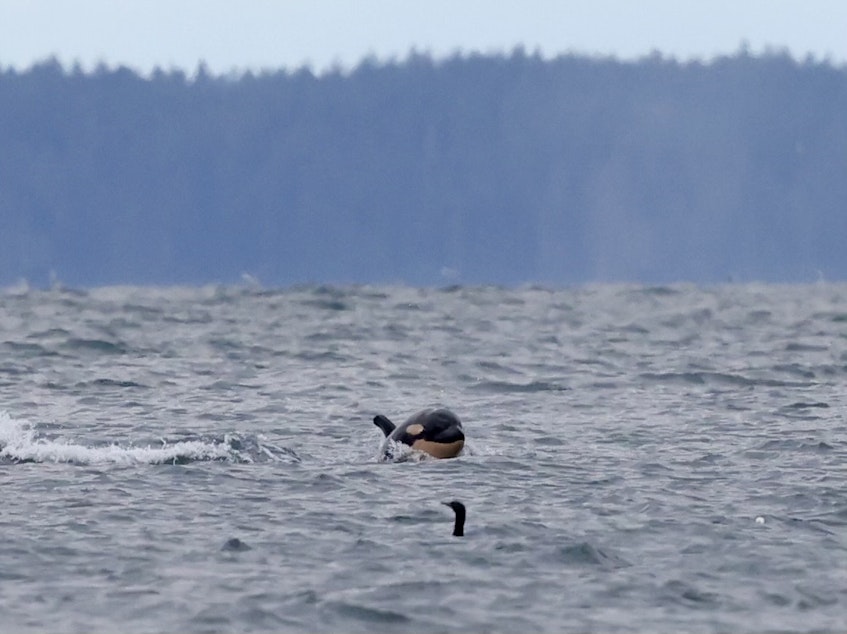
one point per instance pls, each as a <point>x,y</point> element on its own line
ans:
<point>814,598</point>
<point>830,369</point>
<point>100,346</point>
<point>774,598</point>
<point>374,617</point>
<point>216,416</point>
<point>835,518</point>
<point>808,524</point>
<point>373,293</point>
<point>549,441</point>
<point>794,369</point>
<point>550,339</point>
<point>50,333</point>
<point>507,427</point>
<point>677,591</point>
<point>700,378</point>
<point>805,347</point>
<point>634,329</point>
<point>737,407</point>
<point>600,385</point>
<point>339,332</point>
<point>11,575</point>
<point>263,619</point>
<point>224,386</point>
<point>654,469</point>
<point>209,619</point>
<point>31,350</point>
<point>327,298</point>
<point>335,305</point>
<point>301,597</point>
<point>716,379</point>
<point>190,319</point>
<point>597,361</point>
<point>807,405</point>
<point>759,316</point>
<point>14,371</point>
<point>107,383</point>
<point>586,554</point>
<point>324,356</point>
<point>397,332</point>
<point>603,481</point>
<point>513,300</point>
<point>795,445</point>
<point>144,311</point>
<point>365,544</point>
<point>709,459</point>
<point>428,514</point>
<point>493,366</point>
<point>233,544</point>
<point>71,304</point>
<point>324,482</point>
<point>698,317</point>
<point>501,387</point>
<point>654,291</point>
<point>232,348</point>
<point>122,323</point>
<point>328,290</point>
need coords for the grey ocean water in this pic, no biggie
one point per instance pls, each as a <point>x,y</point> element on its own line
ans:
<point>638,459</point>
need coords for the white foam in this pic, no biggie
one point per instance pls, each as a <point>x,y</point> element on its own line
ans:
<point>14,433</point>
<point>19,442</point>
<point>393,451</point>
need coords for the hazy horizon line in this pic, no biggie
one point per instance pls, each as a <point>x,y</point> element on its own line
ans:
<point>202,67</point>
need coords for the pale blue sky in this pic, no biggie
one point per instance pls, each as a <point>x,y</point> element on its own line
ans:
<point>236,35</point>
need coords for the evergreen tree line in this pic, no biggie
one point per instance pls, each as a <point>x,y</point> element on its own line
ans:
<point>476,169</point>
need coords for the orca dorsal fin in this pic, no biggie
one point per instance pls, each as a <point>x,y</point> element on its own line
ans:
<point>384,424</point>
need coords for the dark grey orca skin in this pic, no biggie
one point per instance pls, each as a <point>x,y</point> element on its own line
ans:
<point>437,432</point>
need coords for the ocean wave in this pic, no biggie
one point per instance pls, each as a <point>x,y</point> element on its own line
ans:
<point>20,442</point>
<point>717,378</point>
<point>509,387</point>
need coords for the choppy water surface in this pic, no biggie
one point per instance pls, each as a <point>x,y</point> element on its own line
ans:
<point>638,459</point>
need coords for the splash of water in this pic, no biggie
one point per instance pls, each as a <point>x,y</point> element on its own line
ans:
<point>20,442</point>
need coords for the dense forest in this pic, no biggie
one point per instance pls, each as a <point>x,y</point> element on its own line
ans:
<point>475,169</point>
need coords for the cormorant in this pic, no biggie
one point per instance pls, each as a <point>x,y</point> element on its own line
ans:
<point>459,508</point>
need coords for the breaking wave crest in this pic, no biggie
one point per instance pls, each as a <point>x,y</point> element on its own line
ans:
<point>21,442</point>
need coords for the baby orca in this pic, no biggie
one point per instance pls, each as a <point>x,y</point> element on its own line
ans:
<point>437,432</point>
<point>459,508</point>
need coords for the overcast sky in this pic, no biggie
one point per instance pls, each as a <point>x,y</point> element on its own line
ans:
<point>237,35</point>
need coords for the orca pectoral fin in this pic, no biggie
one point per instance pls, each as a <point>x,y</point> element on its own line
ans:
<point>384,424</point>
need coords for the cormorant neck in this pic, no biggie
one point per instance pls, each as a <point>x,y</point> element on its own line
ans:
<point>459,526</point>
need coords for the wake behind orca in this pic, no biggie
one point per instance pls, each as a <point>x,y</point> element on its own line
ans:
<point>22,442</point>
<point>435,431</point>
